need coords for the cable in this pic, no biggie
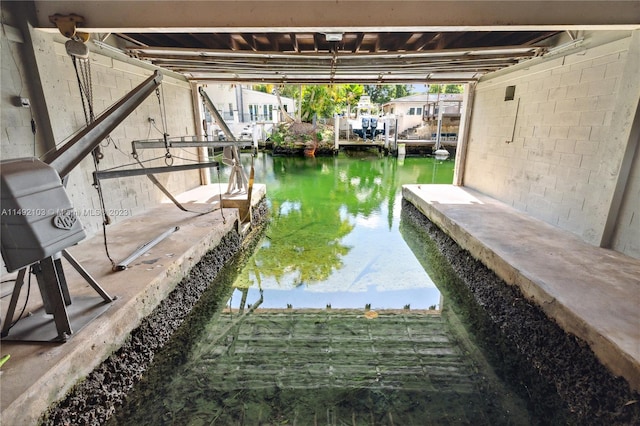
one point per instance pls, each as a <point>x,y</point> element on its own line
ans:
<point>153,123</point>
<point>133,164</point>
<point>85,89</point>
<point>190,153</point>
<point>224,219</point>
<point>163,116</point>
<point>166,192</point>
<point>85,85</point>
<point>33,130</point>
<point>190,160</point>
<point>110,140</point>
<point>106,220</point>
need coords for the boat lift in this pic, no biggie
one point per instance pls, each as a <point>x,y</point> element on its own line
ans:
<point>40,223</point>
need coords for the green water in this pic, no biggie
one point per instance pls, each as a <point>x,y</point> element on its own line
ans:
<point>332,320</point>
<point>333,237</point>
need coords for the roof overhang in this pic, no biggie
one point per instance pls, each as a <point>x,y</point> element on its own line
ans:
<point>374,42</point>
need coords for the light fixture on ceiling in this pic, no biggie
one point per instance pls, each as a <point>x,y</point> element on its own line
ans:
<point>333,36</point>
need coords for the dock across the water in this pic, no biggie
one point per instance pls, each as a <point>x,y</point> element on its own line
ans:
<point>392,145</point>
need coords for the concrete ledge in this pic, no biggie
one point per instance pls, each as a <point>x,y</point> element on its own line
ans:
<point>38,374</point>
<point>591,292</point>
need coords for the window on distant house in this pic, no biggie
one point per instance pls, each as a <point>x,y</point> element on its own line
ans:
<point>412,111</point>
<point>253,112</point>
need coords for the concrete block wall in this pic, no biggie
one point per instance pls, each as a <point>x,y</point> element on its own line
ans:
<point>555,150</point>
<point>15,121</point>
<point>112,79</point>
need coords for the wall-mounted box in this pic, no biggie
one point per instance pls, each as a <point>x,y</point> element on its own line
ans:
<point>510,93</point>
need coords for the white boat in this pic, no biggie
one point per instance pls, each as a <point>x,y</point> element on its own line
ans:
<point>367,123</point>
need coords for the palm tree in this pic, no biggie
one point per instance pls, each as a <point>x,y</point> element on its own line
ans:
<point>351,95</point>
<point>316,101</point>
<point>285,114</point>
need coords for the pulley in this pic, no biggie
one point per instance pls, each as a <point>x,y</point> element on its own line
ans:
<point>77,49</point>
<point>67,25</point>
<point>75,46</point>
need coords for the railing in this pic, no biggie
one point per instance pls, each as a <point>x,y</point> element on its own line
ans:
<point>431,109</point>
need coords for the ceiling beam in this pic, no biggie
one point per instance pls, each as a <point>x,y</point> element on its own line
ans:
<point>358,43</point>
<point>303,79</point>
<point>423,41</point>
<point>341,16</point>
<point>210,53</point>
<point>294,42</point>
<point>250,39</point>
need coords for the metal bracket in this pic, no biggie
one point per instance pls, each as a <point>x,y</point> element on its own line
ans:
<point>182,142</point>
<point>67,25</point>
<point>120,173</point>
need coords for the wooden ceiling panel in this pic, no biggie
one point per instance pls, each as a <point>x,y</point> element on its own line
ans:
<point>339,57</point>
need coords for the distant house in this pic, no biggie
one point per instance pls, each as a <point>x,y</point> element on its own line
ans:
<point>242,108</point>
<point>416,111</point>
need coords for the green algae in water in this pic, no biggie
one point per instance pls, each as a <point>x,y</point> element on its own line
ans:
<point>333,236</point>
<point>333,245</point>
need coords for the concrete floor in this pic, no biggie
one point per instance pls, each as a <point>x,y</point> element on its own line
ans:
<point>591,292</point>
<point>39,373</point>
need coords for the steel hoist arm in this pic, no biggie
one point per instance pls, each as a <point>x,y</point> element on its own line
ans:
<point>231,155</point>
<point>73,152</point>
<point>214,111</point>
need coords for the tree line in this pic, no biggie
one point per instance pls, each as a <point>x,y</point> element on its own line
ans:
<point>323,101</point>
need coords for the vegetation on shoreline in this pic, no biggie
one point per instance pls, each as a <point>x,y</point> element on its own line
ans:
<point>301,135</point>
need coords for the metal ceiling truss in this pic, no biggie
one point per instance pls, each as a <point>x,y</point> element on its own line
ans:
<point>336,66</point>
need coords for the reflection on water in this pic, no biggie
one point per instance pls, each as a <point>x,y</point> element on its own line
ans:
<point>333,239</point>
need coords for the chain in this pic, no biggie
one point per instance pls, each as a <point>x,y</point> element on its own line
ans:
<point>161,105</point>
<point>85,84</point>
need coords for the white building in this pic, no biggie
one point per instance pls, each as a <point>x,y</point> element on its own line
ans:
<point>242,108</point>
<point>412,111</point>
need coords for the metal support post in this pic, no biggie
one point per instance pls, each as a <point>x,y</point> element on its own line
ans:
<point>336,137</point>
<point>231,155</point>
<point>8,320</point>
<point>387,129</point>
<point>88,278</point>
<point>53,295</point>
